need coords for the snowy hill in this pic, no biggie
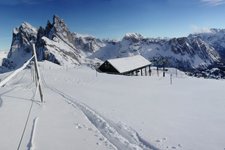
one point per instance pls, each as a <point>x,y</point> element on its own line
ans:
<point>85,110</point>
<point>58,44</point>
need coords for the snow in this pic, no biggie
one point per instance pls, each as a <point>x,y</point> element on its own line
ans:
<point>133,35</point>
<point>62,52</point>
<point>129,63</point>
<point>88,110</point>
<point>28,28</point>
<point>2,83</point>
<point>3,54</point>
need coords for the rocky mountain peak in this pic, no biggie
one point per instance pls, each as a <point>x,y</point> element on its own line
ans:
<point>134,37</point>
<point>26,29</point>
<point>60,26</point>
<point>214,30</point>
<point>210,32</point>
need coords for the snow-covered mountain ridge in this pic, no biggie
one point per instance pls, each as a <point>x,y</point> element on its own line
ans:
<point>58,44</point>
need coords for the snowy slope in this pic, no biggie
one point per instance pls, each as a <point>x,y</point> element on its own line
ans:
<point>87,110</point>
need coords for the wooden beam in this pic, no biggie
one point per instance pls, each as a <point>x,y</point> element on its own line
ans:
<point>145,71</point>
<point>164,71</point>
<point>150,71</point>
<point>37,73</point>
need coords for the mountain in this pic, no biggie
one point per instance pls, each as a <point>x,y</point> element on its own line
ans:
<point>186,53</point>
<point>20,50</point>
<point>215,38</point>
<point>54,43</point>
<point>57,44</point>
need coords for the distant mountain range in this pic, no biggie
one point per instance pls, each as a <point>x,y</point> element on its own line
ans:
<point>56,43</point>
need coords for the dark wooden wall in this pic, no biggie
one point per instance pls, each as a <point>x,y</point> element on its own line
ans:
<point>108,68</point>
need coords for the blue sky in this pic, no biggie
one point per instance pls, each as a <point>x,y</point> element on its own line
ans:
<point>113,18</point>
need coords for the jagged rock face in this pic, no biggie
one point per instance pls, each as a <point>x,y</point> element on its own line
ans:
<point>196,50</point>
<point>21,47</point>
<point>134,37</point>
<point>215,38</point>
<point>59,29</point>
<point>53,43</point>
<point>87,44</point>
<point>181,46</point>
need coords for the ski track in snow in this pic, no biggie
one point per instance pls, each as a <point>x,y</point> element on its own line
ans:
<point>121,136</point>
<point>30,145</point>
<point>1,102</point>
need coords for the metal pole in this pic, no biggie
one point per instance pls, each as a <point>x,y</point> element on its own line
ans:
<point>37,72</point>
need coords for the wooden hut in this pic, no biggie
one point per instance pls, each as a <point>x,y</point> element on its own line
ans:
<point>127,66</point>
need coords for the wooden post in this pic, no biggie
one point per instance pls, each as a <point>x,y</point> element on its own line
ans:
<point>171,78</point>
<point>37,72</point>
<point>136,72</point>
<point>157,71</point>
<point>150,71</point>
<point>164,73</point>
<point>145,71</point>
<point>141,72</point>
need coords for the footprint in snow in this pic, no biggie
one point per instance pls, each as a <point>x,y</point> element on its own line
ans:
<point>164,139</point>
<point>78,126</point>
<point>158,141</point>
<point>106,143</point>
<point>111,147</point>
<point>173,147</point>
<point>179,145</point>
<point>101,139</point>
<point>90,129</point>
<point>84,126</point>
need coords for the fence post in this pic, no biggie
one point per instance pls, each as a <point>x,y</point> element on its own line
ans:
<point>37,72</point>
<point>171,79</point>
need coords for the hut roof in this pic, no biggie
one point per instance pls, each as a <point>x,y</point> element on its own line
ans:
<point>127,64</point>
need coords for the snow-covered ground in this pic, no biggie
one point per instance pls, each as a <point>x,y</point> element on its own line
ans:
<point>88,110</point>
